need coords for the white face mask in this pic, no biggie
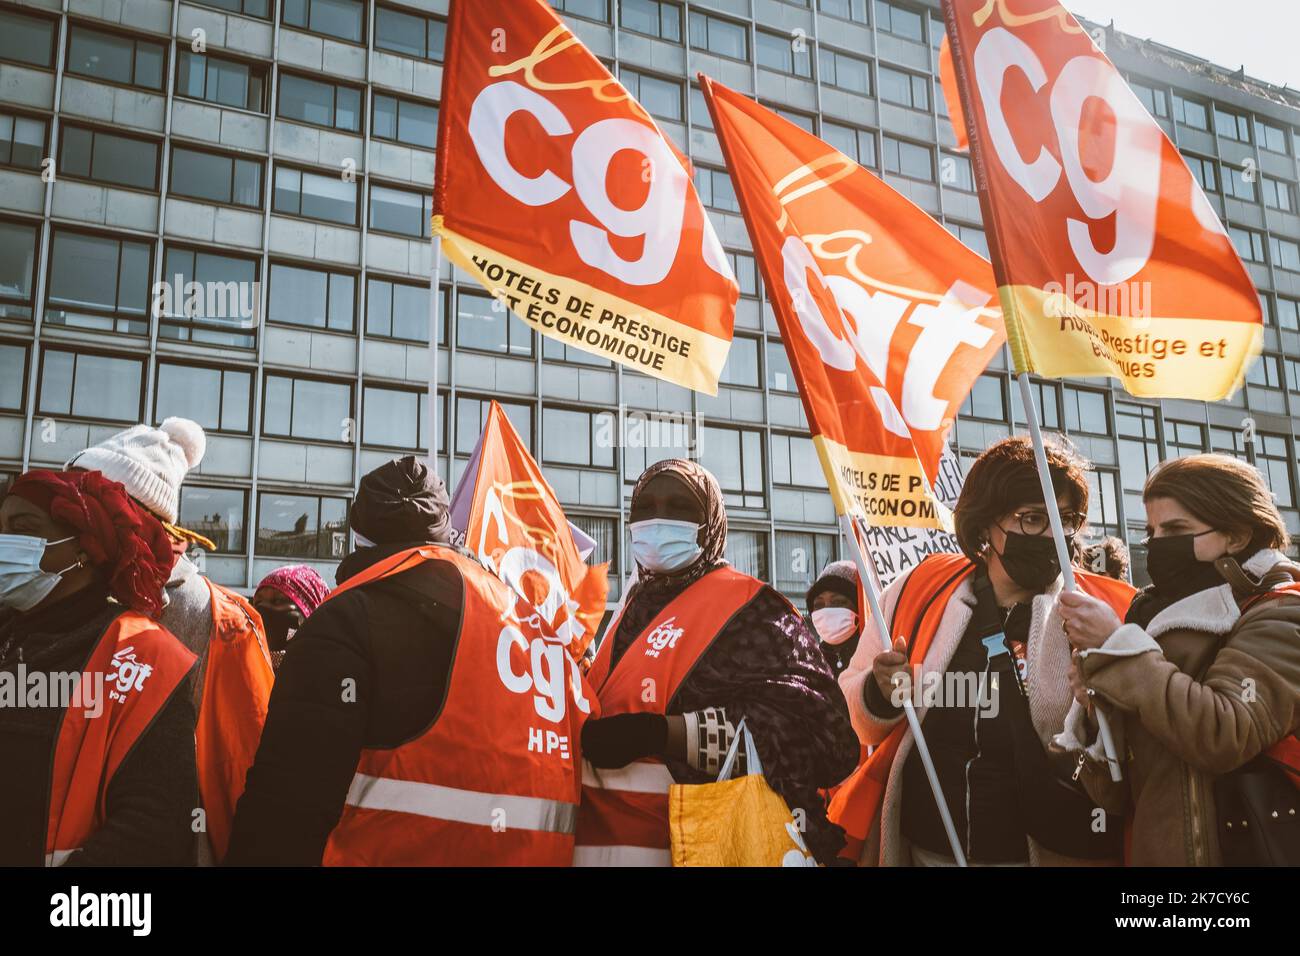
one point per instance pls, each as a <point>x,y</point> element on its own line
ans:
<point>23,584</point>
<point>662,546</point>
<point>835,625</point>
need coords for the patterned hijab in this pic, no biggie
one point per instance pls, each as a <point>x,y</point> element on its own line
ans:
<point>652,592</point>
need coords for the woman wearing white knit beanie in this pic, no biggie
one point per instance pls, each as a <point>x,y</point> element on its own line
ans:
<point>150,462</point>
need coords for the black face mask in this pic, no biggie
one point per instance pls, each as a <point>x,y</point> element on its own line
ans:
<point>278,625</point>
<point>1174,567</point>
<point>1030,560</point>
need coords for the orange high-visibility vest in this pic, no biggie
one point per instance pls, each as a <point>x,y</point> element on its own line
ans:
<point>494,781</point>
<point>237,680</point>
<point>921,604</point>
<point>131,674</point>
<point>623,820</point>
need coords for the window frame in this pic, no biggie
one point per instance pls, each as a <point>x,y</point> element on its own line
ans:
<point>30,302</point>
<point>244,494</point>
<point>361,41</point>
<point>36,13</point>
<point>709,16</point>
<point>426,206</point>
<point>311,171</point>
<point>261,70</point>
<point>96,131</point>
<point>376,93</point>
<point>334,103</point>
<point>115,314</point>
<point>77,353</point>
<point>301,493</point>
<point>184,362</point>
<point>421,414</point>
<point>312,265</point>
<point>258,161</point>
<point>107,29</point>
<point>411,12</point>
<point>294,376</point>
<point>16,113</point>
<point>793,72</point>
<point>443,290</point>
<point>25,379</point>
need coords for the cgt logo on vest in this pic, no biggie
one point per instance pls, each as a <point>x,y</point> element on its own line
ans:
<point>541,663</point>
<point>663,637</point>
<point>127,674</point>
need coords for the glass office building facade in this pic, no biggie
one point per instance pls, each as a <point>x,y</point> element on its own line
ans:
<point>281,152</point>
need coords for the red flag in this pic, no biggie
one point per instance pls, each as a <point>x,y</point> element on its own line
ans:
<point>561,196</point>
<point>885,315</point>
<point>1110,260</point>
<point>518,530</point>
<point>951,96</point>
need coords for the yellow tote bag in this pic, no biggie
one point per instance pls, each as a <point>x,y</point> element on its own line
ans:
<point>741,822</point>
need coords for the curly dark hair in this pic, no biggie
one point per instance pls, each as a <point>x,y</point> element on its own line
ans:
<point>1006,476</point>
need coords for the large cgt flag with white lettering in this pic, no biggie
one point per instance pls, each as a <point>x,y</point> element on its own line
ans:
<point>887,318</point>
<point>556,190</point>
<point>1110,260</point>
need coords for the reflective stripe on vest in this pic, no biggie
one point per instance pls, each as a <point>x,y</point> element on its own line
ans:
<point>623,820</point>
<point>494,780</point>
<point>138,664</point>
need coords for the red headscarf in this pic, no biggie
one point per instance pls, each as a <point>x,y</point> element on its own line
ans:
<point>123,541</point>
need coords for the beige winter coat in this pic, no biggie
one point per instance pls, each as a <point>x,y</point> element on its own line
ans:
<point>1200,692</point>
<point>1048,655</point>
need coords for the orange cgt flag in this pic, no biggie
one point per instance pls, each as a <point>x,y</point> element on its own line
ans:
<point>562,197</point>
<point>887,318</point>
<point>518,530</point>
<point>1110,260</point>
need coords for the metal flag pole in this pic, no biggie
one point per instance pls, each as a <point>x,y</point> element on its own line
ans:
<point>1062,549</point>
<point>435,303</point>
<point>871,587</point>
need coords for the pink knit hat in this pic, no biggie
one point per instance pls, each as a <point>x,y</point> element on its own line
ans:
<point>300,584</point>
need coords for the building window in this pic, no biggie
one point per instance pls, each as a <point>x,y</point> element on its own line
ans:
<point>987,399</point>
<point>1285,253</point>
<point>314,298</point>
<point>320,104</point>
<point>780,377</point>
<point>1239,183</point>
<point>662,98</point>
<point>1232,126</point>
<point>1204,170</point>
<point>722,37</point>
<point>800,557</point>
<point>844,9</point>
<point>741,367</point>
<point>1279,194</point>
<point>400,310</point>
<point>1047,400</point>
<point>401,211</point>
<point>343,19</point>
<point>1085,411</point>
<point>485,324</point>
<point>972,237</point>
<point>745,271</point>
<point>27,40</point>
<point>22,140</point>
<point>472,416</point>
<point>308,409</point>
<point>225,310</point>
<point>1288,314</point>
<point>99,282</point>
<point>1139,450</point>
<point>1184,438</point>
<point>13,376</point>
<point>858,145</point>
<point>587,9</point>
<point>715,189</point>
<point>604,531</point>
<point>218,399</point>
<point>649,437</point>
<point>218,80</point>
<point>409,34</point>
<point>1248,242</point>
<point>1273,460</point>
<point>905,89</point>
<point>795,462</point>
<point>701,118</point>
<point>112,58</point>
<point>1264,373</point>
<point>90,386</point>
<point>908,159</point>
<point>314,196</point>
<point>301,526</point>
<point>17,268</point>
<point>777,51</point>
<point>746,551</point>
<point>653,18</point>
<point>105,157</point>
<point>955,172</point>
<point>261,9</point>
<point>1228,441</point>
<point>217,178</point>
<point>735,456</point>
<point>395,418</point>
<point>1103,503</point>
<point>216,513</point>
<point>405,121</point>
<point>901,22</point>
<point>1191,113</point>
<point>1292,375</point>
<point>844,71</point>
<point>1273,138</point>
<point>1153,98</point>
<point>586,439</point>
<point>802,120</point>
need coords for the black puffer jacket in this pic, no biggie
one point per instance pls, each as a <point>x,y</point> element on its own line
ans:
<point>367,670</point>
<point>152,796</point>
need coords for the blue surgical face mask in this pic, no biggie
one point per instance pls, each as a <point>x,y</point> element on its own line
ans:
<point>663,546</point>
<point>23,584</point>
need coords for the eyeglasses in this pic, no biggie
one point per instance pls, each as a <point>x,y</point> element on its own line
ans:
<point>1036,522</point>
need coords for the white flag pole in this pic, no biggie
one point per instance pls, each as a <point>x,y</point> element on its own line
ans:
<point>871,587</point>
<point>435,304</point>
<point>1062,549</point>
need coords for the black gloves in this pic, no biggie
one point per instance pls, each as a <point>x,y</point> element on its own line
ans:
<point>611,742</point>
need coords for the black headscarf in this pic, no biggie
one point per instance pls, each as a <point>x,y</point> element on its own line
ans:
<point>402,501</point>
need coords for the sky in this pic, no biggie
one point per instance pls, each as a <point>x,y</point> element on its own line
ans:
<point>1261,34</point>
